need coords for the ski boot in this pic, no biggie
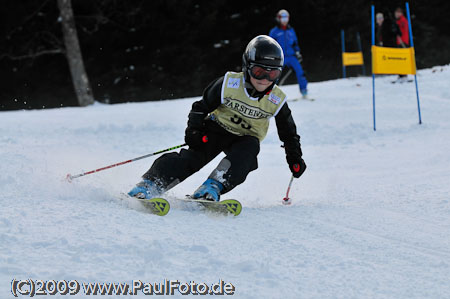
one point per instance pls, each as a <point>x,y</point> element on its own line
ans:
<point>304,93</point>
<point>145,189</point>
<point>209,190</point>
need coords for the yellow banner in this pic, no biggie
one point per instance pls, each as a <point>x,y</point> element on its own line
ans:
<point>393,61</point>
<point>352,58</point>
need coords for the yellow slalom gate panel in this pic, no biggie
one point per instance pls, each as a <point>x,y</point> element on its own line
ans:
<point>393,61</point>
<point>352,58</point>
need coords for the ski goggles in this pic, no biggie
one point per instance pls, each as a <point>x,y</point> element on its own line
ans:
<point>258,72</point>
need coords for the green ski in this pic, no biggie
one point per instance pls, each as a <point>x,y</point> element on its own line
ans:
<point>157,206</point>
<point>226,207</point>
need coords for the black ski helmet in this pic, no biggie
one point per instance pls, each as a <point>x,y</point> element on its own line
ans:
<point>263,51</point>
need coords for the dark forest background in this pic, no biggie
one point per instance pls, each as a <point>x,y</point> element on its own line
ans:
<point>145,50</point>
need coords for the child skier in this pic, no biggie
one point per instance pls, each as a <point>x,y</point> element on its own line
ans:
<point>232,117</point>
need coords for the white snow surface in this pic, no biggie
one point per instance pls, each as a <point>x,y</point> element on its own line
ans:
<point>370,217</point>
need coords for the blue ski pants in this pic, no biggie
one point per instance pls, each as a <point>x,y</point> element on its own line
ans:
<point>292,62</point>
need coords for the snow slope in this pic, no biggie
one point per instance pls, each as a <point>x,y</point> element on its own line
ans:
<point>370,217</point>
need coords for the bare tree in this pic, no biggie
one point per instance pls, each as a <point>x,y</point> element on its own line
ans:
<point>73,54</point>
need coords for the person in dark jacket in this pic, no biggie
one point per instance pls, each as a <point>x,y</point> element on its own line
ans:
<point>285,35</point>
<point>232,117</point>
<point>386,31</point>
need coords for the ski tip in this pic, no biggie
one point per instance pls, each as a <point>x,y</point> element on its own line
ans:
<point>234,207</point>
<point>157,206</point>
<point>162,206</point>
<point>225,207</point>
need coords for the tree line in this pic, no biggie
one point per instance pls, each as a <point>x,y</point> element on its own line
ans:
<point>56,53</point>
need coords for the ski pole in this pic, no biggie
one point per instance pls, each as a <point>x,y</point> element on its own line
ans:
<point>287,200</point>
<point>285,77</point>
<point>70,177</point>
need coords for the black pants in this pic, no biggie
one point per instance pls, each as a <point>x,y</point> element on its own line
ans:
<point>241,158</point>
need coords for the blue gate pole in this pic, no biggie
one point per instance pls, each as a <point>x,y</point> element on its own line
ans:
<point>343,51</point>
<point>373,75</point>
<point>415,76</point>
<point>358,37</point>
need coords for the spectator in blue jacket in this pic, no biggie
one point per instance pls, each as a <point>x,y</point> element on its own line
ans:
<point>286,37</point>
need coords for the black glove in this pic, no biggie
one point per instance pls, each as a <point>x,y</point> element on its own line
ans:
<point>299,56</point>
<point>195,138</point>
<point>296,165</point>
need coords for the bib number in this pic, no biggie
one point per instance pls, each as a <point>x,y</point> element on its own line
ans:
<point>238,120</point>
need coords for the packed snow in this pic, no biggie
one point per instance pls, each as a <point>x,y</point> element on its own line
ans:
<point>370,217</point>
